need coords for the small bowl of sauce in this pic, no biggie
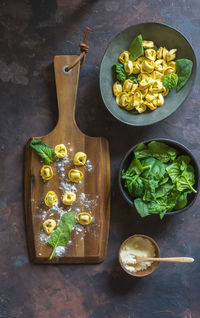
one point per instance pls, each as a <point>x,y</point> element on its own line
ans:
<point>141,246</point>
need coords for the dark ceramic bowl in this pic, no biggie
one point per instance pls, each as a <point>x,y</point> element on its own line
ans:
<point>182,151</point>
<point>162,35</point>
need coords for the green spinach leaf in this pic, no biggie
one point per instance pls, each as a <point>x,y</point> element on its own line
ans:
<point>43,150</point>
<point>120,72</point>
<point>170,81</point>
<point>132,78</point>
<point>181,201</point>
<point>183,70</point>
<point>136,48</point>
<point>156,149</point>
<point>61,235</point>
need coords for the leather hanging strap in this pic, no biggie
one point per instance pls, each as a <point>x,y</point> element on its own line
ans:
<point>84,49</point>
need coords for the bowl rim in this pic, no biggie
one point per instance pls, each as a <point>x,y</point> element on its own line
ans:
<point>194,71</point>
<point>166,140</point>
<point>155,263</point>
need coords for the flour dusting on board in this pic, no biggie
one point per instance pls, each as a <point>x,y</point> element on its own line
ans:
<point>88,165</point>
<point>60,250</point>
<point>67,186</point>
<point>84,202</point>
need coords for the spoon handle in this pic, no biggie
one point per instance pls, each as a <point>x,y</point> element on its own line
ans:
<point>171,259</point>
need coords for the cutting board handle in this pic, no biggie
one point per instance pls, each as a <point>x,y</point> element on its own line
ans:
<point>66,87</point>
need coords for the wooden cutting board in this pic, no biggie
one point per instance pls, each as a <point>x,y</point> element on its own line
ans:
<point>88,244</point>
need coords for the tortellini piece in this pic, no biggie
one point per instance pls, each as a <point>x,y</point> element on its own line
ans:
<point>51,198</point>
<point>141,108</point>
<point>49,225</point>
<point>60,151</point>
<point>160,65</point>
<point>75,175</point>
<point>124,57</point>
<point>150,54</point>
<point>159,100</point>
<point>157,75</point>
<point>147,66</point>
<point>171,55</point>
<point>156,87</point>
<point>148,93</point>
<point>69,198</point>
<point>80,158</point>
<point>117,88</point>
<point>128,67</point>
<point>84,218</point>
<point>123,99</point>
<point>148,44</point>
<point>136,68</point>
<point>127,86</point>
<point>46,172</point>
<point>137,99</point>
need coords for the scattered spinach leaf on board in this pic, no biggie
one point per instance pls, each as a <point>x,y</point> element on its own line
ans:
<point>183,70</point>
<point>158,179</point>
<point>61,235</point>
<point>43,150</point>
<point>136,48</point>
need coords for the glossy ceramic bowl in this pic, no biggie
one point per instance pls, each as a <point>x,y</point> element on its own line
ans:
<point>182,150</point>
<point>162,35</point>
<point>149,269</point>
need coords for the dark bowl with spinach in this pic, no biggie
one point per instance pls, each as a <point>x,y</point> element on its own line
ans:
<point>159,176</point>
<point>162,35</point>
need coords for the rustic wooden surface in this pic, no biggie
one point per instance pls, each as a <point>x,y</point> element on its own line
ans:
<point>88,243</point>
<point>32,33</point>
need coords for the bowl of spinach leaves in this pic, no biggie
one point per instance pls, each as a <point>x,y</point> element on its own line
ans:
<point>163,36</point>
<point>159,176</point>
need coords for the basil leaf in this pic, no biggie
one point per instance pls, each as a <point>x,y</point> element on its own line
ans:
<point>183,70</point>
<point>43,150</point>
<point>61,235</point>
<point>136,48</point>
<point>120,72</point>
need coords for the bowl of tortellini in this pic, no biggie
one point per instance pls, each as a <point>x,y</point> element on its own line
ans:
<point>146,73</point>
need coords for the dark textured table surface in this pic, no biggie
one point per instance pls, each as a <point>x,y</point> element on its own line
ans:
<point>32,32</point>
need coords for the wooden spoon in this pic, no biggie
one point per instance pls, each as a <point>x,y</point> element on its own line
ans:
<point>139,259</point>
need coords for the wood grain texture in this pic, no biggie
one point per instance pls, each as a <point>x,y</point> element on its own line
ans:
<point>88,246</point>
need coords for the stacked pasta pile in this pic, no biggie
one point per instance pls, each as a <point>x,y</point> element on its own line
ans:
<point>145,89</point>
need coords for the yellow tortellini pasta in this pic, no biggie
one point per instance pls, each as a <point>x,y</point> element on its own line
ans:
<point>148,93</point>
<point>127,86</point>
<point>117,88</point>
<point>148,44</point>
<point>123,99</point>
<point>49,225</point>
<point>84,218</point>
<point>60,151</point>
<point>80,158</point>
<point>124,57</point>
<point>51,198</point>
<point>128,67</point>
<point>46,172</point>
<point>75,175</point>
<point>147,66</point>
<point>69,198</point>
<point>150,54</point>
